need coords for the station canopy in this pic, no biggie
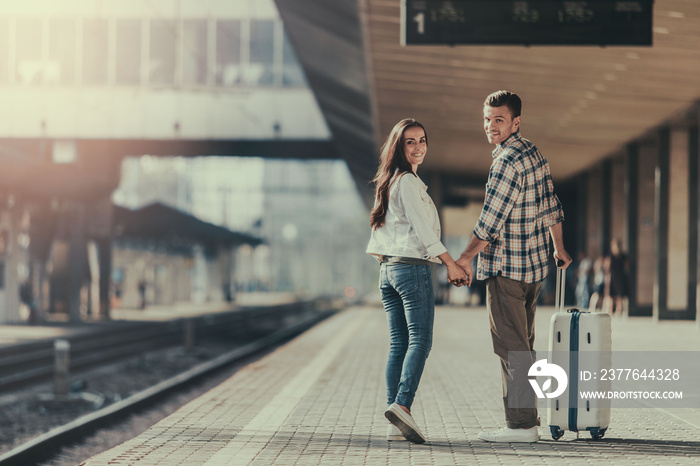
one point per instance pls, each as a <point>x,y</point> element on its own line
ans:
<point>581,104</point>
<point>159,222</point>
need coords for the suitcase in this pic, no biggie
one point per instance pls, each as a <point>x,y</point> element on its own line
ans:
<point>576,339</point>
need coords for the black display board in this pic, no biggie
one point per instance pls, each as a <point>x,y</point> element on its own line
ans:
<point>526,22</point>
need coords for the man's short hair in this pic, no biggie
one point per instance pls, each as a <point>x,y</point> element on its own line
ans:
<point>507,98</point>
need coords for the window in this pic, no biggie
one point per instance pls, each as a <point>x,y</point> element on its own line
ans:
<point>261,67</point>
<point>163,40</point>
<point>194,53</point>
<point>95,51</point>
<point>29,67</point>
<point>292,73</point>
<point>60,68</point>
<point>4,50</point>
<point>128,51</point>
<point>228,52</point>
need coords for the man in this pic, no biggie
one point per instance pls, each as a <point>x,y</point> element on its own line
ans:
<point>520,213</point>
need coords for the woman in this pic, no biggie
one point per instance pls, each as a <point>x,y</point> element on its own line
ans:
<point>406,239</point>
<point>615,278</point>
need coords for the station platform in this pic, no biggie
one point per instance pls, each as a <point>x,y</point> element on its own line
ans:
<point>14,334</point>
<point>319,399</point>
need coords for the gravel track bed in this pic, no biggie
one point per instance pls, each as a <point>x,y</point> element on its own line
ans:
<point>32,411</point>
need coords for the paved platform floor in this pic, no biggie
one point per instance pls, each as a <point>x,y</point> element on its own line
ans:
<point>319,400</point>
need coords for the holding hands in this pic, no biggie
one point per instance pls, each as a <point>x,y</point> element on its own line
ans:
<point>461,273</point>
<point>466,266</point>
<point>456,275</point>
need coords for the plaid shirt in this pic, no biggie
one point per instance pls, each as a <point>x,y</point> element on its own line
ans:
<point>519,208</point>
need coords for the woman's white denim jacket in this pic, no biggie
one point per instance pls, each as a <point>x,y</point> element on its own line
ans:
<point>411,226</point>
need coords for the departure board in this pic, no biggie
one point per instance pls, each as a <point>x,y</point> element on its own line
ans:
<point>526,22</point>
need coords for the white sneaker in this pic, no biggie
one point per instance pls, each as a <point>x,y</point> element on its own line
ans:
<point>393,433</point>
<point>507,434</point>
<point>405,423</point>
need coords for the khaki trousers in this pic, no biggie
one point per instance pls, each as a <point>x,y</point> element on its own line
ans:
<point>511,306</point>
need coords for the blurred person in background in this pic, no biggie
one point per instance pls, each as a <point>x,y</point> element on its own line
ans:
<point>583,281</point>
<point>615,279</point>
<point>598,284</point>
<point>142,294</point>
<point>405,239</point>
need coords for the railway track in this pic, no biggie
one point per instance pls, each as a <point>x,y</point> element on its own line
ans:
<point>43,447</point>
<point>34,362</point>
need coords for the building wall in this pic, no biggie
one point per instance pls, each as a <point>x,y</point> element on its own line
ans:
<point>166,114</point>
<point>594,192</point>
<point>646,257</point>
<point>166,276</point>
<point>11,255</point>
<point>213,69</point>
<point>161,69</point>
<point>618,207</point>
<point>678,222</point>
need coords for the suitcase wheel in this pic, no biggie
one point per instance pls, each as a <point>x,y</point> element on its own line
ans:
<point>597,434</point>
<point>557,433</point>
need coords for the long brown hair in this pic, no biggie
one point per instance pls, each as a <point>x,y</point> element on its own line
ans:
<point>392,158</point>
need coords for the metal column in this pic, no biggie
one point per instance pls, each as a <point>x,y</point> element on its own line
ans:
<point>579,215</point>
<point>104,248</point>
<point>693,218</point>
<point>661,222</point>
<point>77,260</point>
<point>606,208</point>
<point>632,200</point>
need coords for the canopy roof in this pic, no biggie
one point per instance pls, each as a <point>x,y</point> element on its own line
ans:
<point>581,104</point>
<point>163,223</point>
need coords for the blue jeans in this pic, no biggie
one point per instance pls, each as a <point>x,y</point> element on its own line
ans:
<point>407,295</point>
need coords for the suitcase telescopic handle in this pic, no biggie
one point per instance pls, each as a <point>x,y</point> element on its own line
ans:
<point>561,281</point>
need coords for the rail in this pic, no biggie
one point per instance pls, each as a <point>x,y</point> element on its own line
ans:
<point>23,364</point>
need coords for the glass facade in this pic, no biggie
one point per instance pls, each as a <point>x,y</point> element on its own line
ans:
<point>60,68</point>
<point>228,52</point>
<point>260,69</point>
<point>28,54</point>
<point>161,57</point>
<point>195,52</point>
<point>128,51</point>
<point>95,48</point>
<point>4,50</point>
<point>147,52</point>
<point>292,74</point>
